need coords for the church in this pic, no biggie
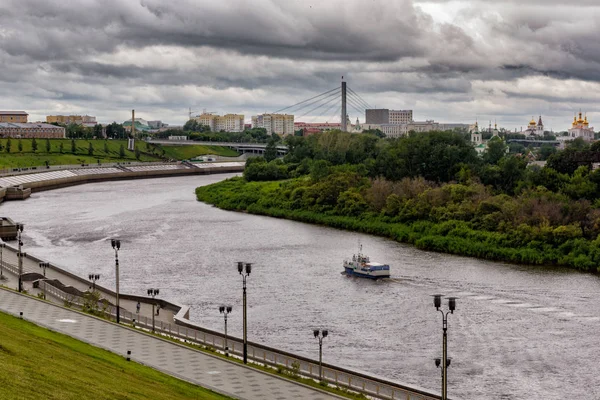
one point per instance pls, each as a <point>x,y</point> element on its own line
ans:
<point>581,129</point>
<point>534,129</point>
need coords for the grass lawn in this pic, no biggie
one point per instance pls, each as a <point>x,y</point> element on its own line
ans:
<point>36,363</point>
<point>187,152</point>
<point>106,151</point>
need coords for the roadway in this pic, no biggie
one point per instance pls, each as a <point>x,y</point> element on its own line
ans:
<point>225,377</point>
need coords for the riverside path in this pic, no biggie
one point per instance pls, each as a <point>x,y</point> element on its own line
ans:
<point>211,372</point>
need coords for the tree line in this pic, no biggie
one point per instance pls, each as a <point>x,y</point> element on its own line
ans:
<point>435,191</point>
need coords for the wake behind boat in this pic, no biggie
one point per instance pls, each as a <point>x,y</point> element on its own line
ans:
<point>362,267</point>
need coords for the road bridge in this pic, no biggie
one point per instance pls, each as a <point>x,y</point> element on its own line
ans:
<point>245,148</point>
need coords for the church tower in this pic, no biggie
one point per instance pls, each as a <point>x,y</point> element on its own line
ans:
<point>539,130</point>
<point>476,138</point>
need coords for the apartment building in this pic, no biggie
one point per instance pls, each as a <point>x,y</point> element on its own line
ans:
<point>382,116</point>
<point>13,116</point>
<point>85,120</point>
<point>281,124</point>
<point>218,123</point>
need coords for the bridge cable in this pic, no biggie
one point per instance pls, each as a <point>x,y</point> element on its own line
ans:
<point>319,106</point>
<point>357,102</point>
<point>305,106</point>
<point>338,113</point>
<point>368,106</point>
<point>304,101</point>
<point>356,107</point>
<point>363,101</point>
<point>326,112</point>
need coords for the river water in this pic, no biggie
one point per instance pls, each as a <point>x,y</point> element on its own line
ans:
<point>518,332</point>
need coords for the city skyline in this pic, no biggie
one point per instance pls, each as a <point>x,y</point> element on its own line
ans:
<point>452,61</point>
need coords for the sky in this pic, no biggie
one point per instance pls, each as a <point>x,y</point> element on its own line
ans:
<point>451,61</point>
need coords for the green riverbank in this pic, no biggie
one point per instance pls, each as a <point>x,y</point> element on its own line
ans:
<point>292,199</point>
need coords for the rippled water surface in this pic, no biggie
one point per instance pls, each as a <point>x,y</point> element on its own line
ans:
<point>518,333</point>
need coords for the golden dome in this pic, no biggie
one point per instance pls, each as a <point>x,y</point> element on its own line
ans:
<point>585,122</point>
<point>532,122</point>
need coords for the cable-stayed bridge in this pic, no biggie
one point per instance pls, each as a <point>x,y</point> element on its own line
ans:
<point>334,101</point>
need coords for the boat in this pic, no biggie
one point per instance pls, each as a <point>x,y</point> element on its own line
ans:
<point>362,267</point>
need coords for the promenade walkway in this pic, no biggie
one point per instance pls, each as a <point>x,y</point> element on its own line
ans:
<point>211,372</point>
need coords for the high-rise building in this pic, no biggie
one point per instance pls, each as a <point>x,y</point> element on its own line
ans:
<point>281,124</point>
<point>377,116</point>
<point>400,117</point>
<point>382,116</point>
<point>218,123</point>
<point>13,116</point>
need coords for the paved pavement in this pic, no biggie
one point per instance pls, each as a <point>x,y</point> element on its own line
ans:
<point>29,265</point>
<point>211,372</point>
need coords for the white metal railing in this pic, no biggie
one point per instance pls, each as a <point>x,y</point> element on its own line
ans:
<point>261,354</point>
<point>361,383</point>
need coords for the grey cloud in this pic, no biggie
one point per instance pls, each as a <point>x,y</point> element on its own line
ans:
<point>266,54</point>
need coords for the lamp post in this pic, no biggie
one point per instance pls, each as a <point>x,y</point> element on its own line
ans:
<point>116,244</point>
<point>225,310</point>
<point>93,278</point>
<point>20,255</point>
<point>2,246</point>
<point>320,335</point>
<point>444,362</point>
<point>153,292</point>
<point>43,266</point>
<point>244,269</point>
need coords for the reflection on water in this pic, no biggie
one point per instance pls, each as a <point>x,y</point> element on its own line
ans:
<point>519,332</point>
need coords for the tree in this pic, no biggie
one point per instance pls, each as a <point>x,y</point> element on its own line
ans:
<point>122,151</point>
<point>137,154</point>
<point>48,147</point>
<point>60,147</point>
<point>20,145</point>
<point>8,145</point>
<point>91,149</point>
<point>116,131</point>
<point>98,131</point>
<point>73,147</point>
<point>271,151</point>
<point>496,149</point>
<point>106,147</point>
<point>546,151</point>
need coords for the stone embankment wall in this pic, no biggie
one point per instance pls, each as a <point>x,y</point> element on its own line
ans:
<point>99,174</point>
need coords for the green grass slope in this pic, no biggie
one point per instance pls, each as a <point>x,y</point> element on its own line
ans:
<point>105,151</point>
<point>36,363</point>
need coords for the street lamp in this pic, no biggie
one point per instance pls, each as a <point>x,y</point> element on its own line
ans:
<point>320,335</point>
<point>225,310</point>
<point>152,292</point>
<point>244,269</point>
<point>116,244</point>
<point>2,246</point>
<point>444,362</point>
<point>93,278</point>
<point>20,255</point>
<point>43,266</point>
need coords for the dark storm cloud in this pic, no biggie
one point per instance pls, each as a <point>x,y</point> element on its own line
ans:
<point>264,27</point>
<point>266,53</point>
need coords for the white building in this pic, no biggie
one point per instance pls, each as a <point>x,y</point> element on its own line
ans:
<point>281,124</point>
<point>218,123</point>
<point>534,129</point>
<point>581,129</point>
<point>398,117</point>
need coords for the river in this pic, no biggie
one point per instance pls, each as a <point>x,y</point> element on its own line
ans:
<point>519,332</point>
